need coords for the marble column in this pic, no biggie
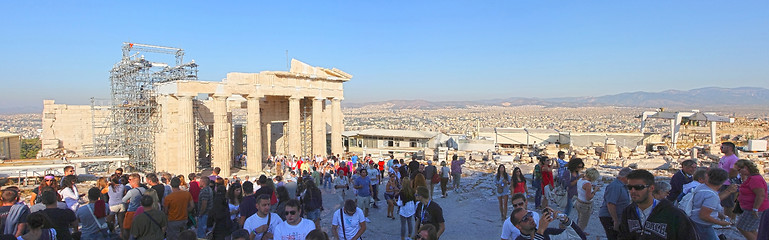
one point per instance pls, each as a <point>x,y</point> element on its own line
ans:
<point>254,135</point>
<point>318,127</point>
<point>294,137</point>
<point>222,140</point>
<point>186,140</point>
<point>336,126</point>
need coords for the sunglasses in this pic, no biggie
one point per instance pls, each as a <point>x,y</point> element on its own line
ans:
<point>636,187</point>
<point>526,217</point>
<point>291,212</point>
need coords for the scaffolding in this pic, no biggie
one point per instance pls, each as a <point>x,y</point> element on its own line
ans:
<point>305,127</point>
<point>131,125</point>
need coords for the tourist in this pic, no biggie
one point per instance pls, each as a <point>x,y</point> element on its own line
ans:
<point>219,215</point>
<point>509,231</point>
<point>444,174</point>
<point>376,178</point>
<point>40,206</point>
<point>316,176</point>
<point>149,224</point>
<point>381,167</point>
<point>727,163</point>
<point>418,181</point>
<point>681,178</point>
<point>295,227</point>
<point>413,166</point>
<point>518,181</point>
<point>456,171</point>
<point>586,189</point>
<point>547,180</point>
<point>14,214</point>
<point>661,190</point>
<point>363,187</point>
<point>391,189</point>
<point>698,178</point>
<point>234,198</point>
<point>61,219</point>
<point>502,189</point>
<point>68,171</point>
<point>536,183</point>
<point>39,228</point>
<point>283,198</point>
<point>115,191</point>
<point>48,181</point>
<point>133,199</point>
<point>569,181</point>
<point>68,192</point>
<point>649,218</point>
<point>312,200</point>
<point>247,206</point>
<point>427,232</point>
<point>194,187</point>
<point>317,234</point>
<point>328,177</point>
<point>707,211</point>
<point>166,181</point>
<point>428,212</point>
<point>562,166</point>
<point>348,223</point>
<point>406,208</point>
<point>430,171</point>
<point>752,198</point>
<point>403,169</point>
<point>93,217</point>
<point>615,199</point>
<point>176,206</point>
<point>525,222</point>
<point>154,183</point>
<point>261,225</point>
<point>205,203</point>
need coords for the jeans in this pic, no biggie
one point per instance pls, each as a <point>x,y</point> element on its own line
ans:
<point>174,228</point>
<point>202,228</point>
<point>706,232</point>
<point>537,185</point>
<point>313,215</point>
<point>327,182</point>
<point>569,205</point>
<point>375,192</point>
<point>407,221</point>
<point>457,177</point>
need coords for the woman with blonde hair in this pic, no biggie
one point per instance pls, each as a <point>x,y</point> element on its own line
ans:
<point>183,185</point>
<point>586,189</point>
<point>752,198</point>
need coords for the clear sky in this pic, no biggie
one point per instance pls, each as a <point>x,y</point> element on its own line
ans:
<point>432,50</point>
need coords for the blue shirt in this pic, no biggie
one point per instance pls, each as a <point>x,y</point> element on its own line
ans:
<point>365,184</point>
<point>615,193</point>
<point>354,160</point>
<point>89,226</point>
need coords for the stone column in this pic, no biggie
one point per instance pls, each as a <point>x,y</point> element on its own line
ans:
<point>254,135</point>
<point>318,127</point>
<point>222,140</point>
<point>294,138</point>
<point>336,125</point>
<point>186,139</point>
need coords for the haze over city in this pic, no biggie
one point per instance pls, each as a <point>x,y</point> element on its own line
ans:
<point>397,50</point>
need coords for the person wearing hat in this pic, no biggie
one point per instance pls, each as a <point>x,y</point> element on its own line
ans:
<point>428,212</point>
<point>348,223</point>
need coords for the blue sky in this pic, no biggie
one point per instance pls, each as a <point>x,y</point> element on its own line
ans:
<point>433,50</point>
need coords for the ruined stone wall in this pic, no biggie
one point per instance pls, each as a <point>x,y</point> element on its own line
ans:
<point>67,126</point>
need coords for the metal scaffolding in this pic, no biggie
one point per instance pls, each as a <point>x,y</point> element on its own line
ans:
<point>131,125</point>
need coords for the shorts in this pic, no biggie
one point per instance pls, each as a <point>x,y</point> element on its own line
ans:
<point>117,208</point>
<point>128,220</point>
<point>728,202</point>
<point>313,215</point>
<point>364,202</point>
<point>747,222</point>
<point>389,196</point>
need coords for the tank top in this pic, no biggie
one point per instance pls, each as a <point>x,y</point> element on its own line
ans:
<point>581,193</point>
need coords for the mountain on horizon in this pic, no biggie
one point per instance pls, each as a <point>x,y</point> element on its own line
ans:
<point>700,97</point>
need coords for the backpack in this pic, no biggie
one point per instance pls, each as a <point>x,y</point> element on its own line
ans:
<point>687,202</point>
<point>312,200</point>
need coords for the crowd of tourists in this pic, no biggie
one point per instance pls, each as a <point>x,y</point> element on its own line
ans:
<point>198,206</point>
<point>691,205</point>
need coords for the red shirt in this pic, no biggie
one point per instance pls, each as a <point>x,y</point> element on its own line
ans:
<point>381,165</point>
<point>299,166</point>
<point>344,170</point>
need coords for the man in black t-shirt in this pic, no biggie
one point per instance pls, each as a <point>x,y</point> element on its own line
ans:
<point>160,190</point>
<point>432,214</point>
<point>62,219</point>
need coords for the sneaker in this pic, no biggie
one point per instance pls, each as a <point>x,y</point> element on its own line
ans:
<point>368,220</point>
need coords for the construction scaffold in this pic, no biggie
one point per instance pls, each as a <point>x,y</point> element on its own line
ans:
<point>129,125</point>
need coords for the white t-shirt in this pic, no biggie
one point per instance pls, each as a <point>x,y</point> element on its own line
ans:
<point>351,223</point>
<point>285,231</point>
<point>254,222</point>
<point>511,232</point>
<point>373,175</point>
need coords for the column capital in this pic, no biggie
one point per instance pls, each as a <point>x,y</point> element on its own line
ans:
<point>184,95</point>
<point>219,97</point>
<point>251,96</point>
<point>293,97</point>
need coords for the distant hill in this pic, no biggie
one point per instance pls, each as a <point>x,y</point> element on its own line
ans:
<point>701,97</point>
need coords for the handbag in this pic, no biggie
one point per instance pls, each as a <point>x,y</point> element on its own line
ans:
<point>435,179</point>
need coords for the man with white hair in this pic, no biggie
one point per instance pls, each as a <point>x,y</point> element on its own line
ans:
<point>430,170</point>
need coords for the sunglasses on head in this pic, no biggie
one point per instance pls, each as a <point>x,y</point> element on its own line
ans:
<point>291,212</point>
<point>637,187</point>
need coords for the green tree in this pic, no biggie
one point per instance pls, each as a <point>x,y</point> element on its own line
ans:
<point>29,148</point>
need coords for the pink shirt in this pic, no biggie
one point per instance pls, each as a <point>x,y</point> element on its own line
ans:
<point>727,163</point>
<point>747,197</point>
